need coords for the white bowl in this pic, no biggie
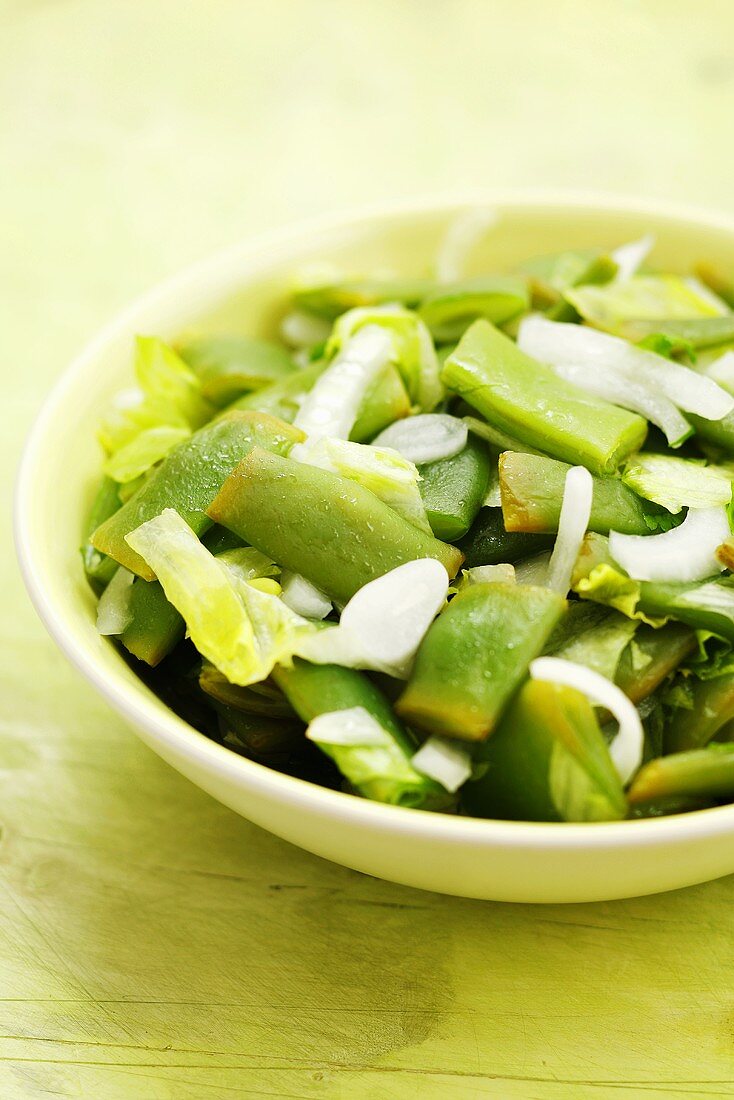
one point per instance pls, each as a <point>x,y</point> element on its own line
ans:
<point>243,286</point>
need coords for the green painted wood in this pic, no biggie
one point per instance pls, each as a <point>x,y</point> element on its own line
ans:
<point>152,944</point>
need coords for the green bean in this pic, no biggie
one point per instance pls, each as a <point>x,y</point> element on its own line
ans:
<point>270,740</point>
<point>474,657</point>
<point>227,366</point>
<point>98,567</point>
<point>380,772</point>
<point>449,309</point>
<point>328,529</point>
<point>488,543</point>
<point>330,300</point>
<point>453,489</point>
<point>189,479</point>
<point>547,761</point>
<point>651,656</point>
<point>711,708</point>
<point>526,399</point>
<point>532,486</point>
<point>701,773</point>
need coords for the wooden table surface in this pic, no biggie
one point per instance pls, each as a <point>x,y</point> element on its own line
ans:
<point>153,944</point>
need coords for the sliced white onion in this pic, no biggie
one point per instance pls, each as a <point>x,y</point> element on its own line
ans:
<point>461,236</point>
<point>331,407</point>
<point>353,726</point>
<point>445,761</point>
<point>557,344</point>
<point>114,613</point>
<point>630,257</point>
<point>626,747</point>
<point>578,492</point>
<point>303,597</point>
<point>385,621</point>
<point>722,371</point>
<point>687,553</point>
<point>425,438</point>
<point>630,395</point>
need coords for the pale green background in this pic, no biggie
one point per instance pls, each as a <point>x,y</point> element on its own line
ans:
<point>153,944</point>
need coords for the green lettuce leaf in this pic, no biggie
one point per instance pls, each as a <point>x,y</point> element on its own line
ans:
<point>677,483</point>
<point>241,630</point>
<point>616,306</point>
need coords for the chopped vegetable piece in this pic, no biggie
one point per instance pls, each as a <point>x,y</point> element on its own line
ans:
<point>618,306</point>
<point>155,626</point>
<point>329,300</point>
<point>475,656</point>
<point>384,472</point>
<point>227,366</point>
<point>592,635</point>
<point>687,553</point>
<point>144,451</point>
<point>677,483</point>
<point>444,761</point>
<point>241,630</point>
<point>500,440</point>
<point>331,407</point>
<point>707,606</point>
<point>384,622</point>
<point>639,376</point>
<point>453,490</point>
<point>412,351</point>
<point>425,438</point>
<point>304,598</point>
<point>113,609</point>
<point>547,761</point>
<point>526,399</point>
<point>331,530</point>
<point>531,488</point>
<point>189,479</point>
<point>385,399</point>
<point>702,773</point>
<point>710,706</point>
<point>572,526</point>
<point>650,658</point>
<point>450,309</point>
<point>488,543</point>
<point>625,749</point>
<point>383,771</point>
<point>698,332</point>
<point>263,698</point>
<point>99,568</point>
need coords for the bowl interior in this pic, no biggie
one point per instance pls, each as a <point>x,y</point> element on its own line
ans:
<point>244,290</point>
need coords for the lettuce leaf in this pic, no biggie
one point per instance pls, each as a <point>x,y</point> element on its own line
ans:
<point>244,632</point>
<point>677,483</point>
<point>617,305</point>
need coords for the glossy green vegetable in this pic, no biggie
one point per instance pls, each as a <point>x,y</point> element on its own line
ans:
<point>189,479</point>
<point>263,698</point>
<point>547,761</point>
<point>488,543</point>
<point>475,656</point>
<point>332,299</point>
<point>381,773</point>
<point>449,309</point>
<point>718,433</point>
<point>227,366</point>
<point>708,605</point>
<point>268,740</point>
<point>98,567</point>
<point>453,489</point>
<point>385,401</point>
<point>710,706</point>
<point>328,529</point>
<point>651,656</point>
<point>532,486</point>
<point>526,399</point>
<point>699,774</point>
<point>698,332</point>
<point>155,627</point>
